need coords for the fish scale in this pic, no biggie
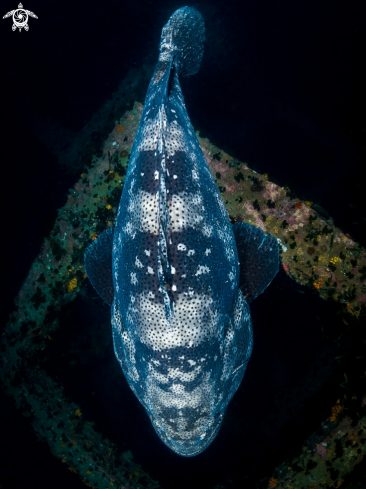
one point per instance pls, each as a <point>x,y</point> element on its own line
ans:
<point>181,326</point>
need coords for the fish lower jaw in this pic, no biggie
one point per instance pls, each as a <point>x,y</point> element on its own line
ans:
<point>186,446</point>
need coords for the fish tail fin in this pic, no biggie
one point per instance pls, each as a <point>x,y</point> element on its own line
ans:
<point>183,37</point>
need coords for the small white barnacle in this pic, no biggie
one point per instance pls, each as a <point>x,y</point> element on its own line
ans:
<point>150,270</point>
<point>175,176</point>
<point>172,270</point>
<point>191,253</point>
<point>174,287</point>
<point>147,252</point>
<point>181,247</point>
<point>156,175</point>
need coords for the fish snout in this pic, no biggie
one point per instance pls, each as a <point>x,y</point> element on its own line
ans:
<point>187,437</point>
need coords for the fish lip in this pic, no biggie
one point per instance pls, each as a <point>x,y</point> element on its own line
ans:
<point>190,449</point>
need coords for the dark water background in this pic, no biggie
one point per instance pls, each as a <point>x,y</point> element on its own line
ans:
<point>281,87</point>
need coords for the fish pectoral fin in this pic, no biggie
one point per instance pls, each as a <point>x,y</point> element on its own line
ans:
<point>258,257</point>
<point>98,265</point>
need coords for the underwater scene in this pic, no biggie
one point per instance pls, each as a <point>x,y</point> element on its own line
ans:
<point>184,286</point>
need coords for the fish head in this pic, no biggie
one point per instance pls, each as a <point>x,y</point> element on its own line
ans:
<point>187,440</point>
<point>186,417</point>
<point>184,373</point>
<point>182,387</point>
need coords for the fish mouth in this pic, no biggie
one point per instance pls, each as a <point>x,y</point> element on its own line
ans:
<point>188,446</point>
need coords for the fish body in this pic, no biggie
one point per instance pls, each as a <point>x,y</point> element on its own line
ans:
<point>174,269</point>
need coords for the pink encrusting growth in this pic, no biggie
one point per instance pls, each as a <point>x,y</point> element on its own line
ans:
<point>272,191</point>
<point>314,251</point>
<point>322,450</point>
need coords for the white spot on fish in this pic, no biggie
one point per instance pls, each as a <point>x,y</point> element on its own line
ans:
<point>208,251</point>
<point>181,247</point>
<point>156,175</point>
<point>174,288</point>
<point>133,278</point>
<point>202,269</point>
<point>173,270</point>
<point>175,176</point>
<point>138,263</point>
<point>150,270</point>
<point>191,253</point>
<point>147,252</point>
<point>207,230</point>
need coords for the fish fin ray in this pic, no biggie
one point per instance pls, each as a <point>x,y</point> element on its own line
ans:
<point>258,257</point>
<point>184,33</point>
<point>98,265</point>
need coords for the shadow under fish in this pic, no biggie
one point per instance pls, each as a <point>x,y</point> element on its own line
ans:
<point>177,274</point>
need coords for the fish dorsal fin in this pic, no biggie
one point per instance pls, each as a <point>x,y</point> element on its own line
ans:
<point>184,35</point>
<point>258,257</point>
<point>98,265</point>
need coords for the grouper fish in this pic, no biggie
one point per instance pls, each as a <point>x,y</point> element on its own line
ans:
<point>177,274</point>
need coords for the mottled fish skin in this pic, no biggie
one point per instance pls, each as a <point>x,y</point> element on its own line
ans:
<point>181,327</point>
